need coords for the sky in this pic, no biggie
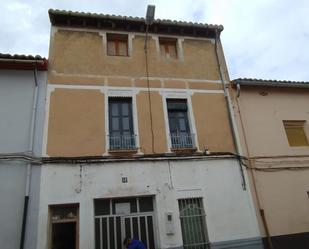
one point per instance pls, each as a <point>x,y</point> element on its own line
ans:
<point>265,39</point>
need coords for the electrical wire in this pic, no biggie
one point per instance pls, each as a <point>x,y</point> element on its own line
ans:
<point>244,161</point>
<point>148,88</point>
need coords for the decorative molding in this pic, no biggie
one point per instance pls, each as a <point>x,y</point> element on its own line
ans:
<point>169,91</point>
<point>54,72</point>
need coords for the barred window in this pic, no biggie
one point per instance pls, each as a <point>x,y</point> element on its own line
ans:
<point>193,225</point>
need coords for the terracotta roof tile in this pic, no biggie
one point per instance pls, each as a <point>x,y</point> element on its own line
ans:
<point>272,83</point>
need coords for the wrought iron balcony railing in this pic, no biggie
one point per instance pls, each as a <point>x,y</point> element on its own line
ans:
<point>122,142</point>
<point>182,140</point>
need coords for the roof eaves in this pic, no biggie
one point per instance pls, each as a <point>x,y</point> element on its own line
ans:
<point>270,83</point>
<point>53,12</point>
<point>21,57</point>
<point>23,62</point>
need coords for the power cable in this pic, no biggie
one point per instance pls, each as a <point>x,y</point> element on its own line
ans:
<point>148,88</point>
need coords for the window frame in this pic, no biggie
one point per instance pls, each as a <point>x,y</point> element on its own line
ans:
<point>180,140</point>
<point>121,93</point>
<point>118,101</point>
<point>116,39</point>
<point>173,114</point>
<point>172,94</point>
<point>166,42</point>
<point>182,202</point>
<point>75,220</point>
<point>302,124</point>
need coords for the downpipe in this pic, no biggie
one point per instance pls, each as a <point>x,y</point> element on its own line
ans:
<point>230,114</point>
<point>29,166</point>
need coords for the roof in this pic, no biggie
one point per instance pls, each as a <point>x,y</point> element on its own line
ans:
<point>22,62</point>
<point>270,83</point>
<point>131,24</point>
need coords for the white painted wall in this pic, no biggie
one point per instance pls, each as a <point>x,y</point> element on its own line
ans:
<point>229,214</point>
<point>16,101</point>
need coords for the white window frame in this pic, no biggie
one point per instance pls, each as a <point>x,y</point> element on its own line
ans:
<point>179,95</point>
<point>121,93</point>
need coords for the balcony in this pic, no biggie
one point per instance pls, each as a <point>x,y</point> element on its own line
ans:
<point>182,140</point>
<point>122,142</point>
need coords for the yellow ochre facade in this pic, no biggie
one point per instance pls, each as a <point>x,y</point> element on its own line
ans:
<point>82,76</point>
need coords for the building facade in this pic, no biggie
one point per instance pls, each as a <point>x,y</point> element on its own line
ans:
<point>22,106</point>
<point>138,140</point>
<point>272,119</point>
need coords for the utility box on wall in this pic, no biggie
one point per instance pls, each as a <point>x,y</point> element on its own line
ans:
<point>169,223</point>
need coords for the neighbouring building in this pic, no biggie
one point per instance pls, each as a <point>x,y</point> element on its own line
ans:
<point>272,118</point>
<point>138,140</point>
<point>22,106</point>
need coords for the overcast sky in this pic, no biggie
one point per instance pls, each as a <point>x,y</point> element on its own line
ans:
<point>266,39</point>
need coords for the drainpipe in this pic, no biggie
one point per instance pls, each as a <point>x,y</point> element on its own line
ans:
<point>30,149</point>
<point>230,112</point>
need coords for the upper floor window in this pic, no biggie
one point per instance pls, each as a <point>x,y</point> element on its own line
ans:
<point>117,44</point>
<point>296,132</point>
<point>180,133</point>
<point>121,132</point>
<point>168,47</point>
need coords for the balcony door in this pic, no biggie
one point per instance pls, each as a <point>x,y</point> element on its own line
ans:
<point>121,132</point>
<point>180,133</point>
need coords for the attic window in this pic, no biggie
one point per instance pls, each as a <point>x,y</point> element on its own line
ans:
<point>296,132</point>
<point>117,45</point>
<point>168,47</point>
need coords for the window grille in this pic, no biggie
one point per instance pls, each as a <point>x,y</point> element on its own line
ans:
<point>193,225</point>
<point>134,219</point>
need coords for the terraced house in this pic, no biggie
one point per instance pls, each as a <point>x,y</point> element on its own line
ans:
<point>22,105</point>
<point>272,118</point>
<point>138,138</point>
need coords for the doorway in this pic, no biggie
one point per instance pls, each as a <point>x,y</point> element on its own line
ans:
<point>64,227</point>
<point>116,219</point>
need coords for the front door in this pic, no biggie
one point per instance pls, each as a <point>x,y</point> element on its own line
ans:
<point>116,219</point>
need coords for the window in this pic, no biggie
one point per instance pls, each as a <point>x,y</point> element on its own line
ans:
<point>168,47</point>
<point>193,225</point>
<point>124,217</point>
<point>121,135</point>
<point>64,227</point>
<point>296,132</point>
<point>117,45</point>
<point>179,124</point>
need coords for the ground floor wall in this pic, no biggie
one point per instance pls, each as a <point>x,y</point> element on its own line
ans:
<point>281,191</point>
<point>230,217</point>
<point>12,193</point>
